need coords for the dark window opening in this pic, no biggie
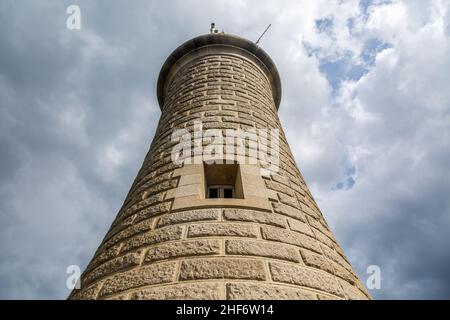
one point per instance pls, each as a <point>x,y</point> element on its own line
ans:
<point>223,181</point>
<point>213,193</point>
<point>228,193</point>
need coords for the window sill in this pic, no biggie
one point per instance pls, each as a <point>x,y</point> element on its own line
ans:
<point>192,202</point>
<point>190,193</point>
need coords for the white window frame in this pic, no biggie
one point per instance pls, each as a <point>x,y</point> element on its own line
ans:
<point>221,191</point>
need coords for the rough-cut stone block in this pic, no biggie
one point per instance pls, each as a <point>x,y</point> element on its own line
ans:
<point>284,236</point>
<point>290,201</point>
<point>279,188</point>
<point>153,210</point>
<point>322,262</point>
<point>144,187</point>
<point>115,265</point>
<point>120,297</point>
<point>192,291</point>
<point>319,225</point>
<point>288,211</point>
<point>301,227</point>
<point>259,291</point>
<point>222,268</point>
<point>254,216</point>
<point>352,292</point>
<point>311,212</point>
<point>129,232</point>
<point>104,255</point>
<point>119,224</point>
<point>336,257</point>
<point>298,187</point>
<point>305,277</point>
<point>315,223</point>
<point>183,249</point>
<point>155,236</point>
<point>144,203</point>
<point>88,293</point>
<point>261,249</point>
<point>159,188</point>
<point>328,297</point>
<point>189,216</point>
<point>222,229</point>
<point>318,261</point>
<point>323,238</point>
<point>144,276</point>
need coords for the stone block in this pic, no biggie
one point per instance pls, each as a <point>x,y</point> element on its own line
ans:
<point>144,276</point>
<point>222,230</point>
<point>189,216</point>
<point>222,268</point>
<point>260,248</point>
<point>182,249</point>
<point>305,277</point>
<point>259,291</point>
<point>254,216</point>
<point>284,236</point>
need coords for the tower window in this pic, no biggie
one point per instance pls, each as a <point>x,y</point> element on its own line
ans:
<point>223,181</point>
<point>228,193</point>
<point>221,192</point>
<point>213,193</point>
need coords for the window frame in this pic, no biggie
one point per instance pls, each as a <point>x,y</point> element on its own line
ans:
<point>221,191</point>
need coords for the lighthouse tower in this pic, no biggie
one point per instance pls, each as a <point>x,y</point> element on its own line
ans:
<point>239,223</point>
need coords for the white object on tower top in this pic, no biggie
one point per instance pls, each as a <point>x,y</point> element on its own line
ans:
<point>213,28</point>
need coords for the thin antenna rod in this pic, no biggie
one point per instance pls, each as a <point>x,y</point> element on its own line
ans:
<point>257,41</point>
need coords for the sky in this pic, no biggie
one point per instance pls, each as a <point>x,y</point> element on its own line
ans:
<point>365,107</point>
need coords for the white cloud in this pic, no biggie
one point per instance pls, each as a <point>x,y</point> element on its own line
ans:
<point>386,127</point>
<point>404,105</point>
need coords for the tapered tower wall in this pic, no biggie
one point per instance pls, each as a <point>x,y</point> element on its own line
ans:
<point>169,241</point>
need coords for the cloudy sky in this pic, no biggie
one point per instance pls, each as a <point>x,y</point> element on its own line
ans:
<point>366,108</point>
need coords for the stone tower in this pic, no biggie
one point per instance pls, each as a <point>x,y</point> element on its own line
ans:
<point>196,230</point>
